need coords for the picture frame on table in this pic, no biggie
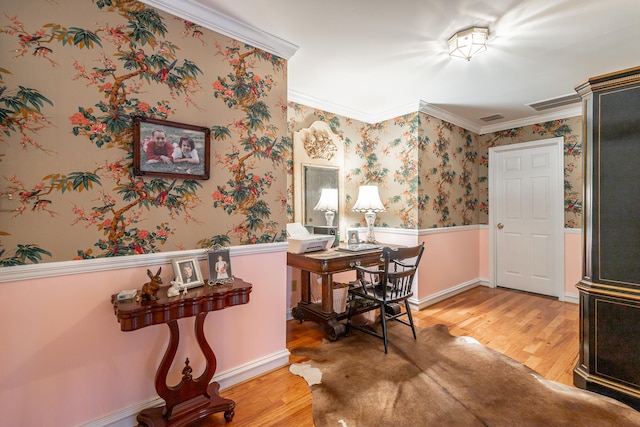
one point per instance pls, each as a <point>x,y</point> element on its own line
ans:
<point>170,149</point>
<point>219,265</point>
<point>187,272</point>
<point>353,236</point>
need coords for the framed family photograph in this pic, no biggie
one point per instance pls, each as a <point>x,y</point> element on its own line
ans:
<point>353,236</point>
<point>170,149</point>
<point>187,272</point>
<point>219,265</point>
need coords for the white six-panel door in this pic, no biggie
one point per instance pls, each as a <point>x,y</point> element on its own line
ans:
<point>526,216</point>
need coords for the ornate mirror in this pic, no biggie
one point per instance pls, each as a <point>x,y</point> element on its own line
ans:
<point>318,157</point>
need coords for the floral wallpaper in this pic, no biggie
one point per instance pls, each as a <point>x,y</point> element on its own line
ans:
<point>431,173</point>
<point>74,75</point>
<point>384,154</point>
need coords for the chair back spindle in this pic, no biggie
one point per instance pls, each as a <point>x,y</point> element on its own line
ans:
<point>385,287</point>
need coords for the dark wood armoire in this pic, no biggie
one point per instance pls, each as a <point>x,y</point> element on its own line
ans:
<point>609,359</point>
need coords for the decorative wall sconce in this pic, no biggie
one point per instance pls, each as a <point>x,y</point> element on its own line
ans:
<point>370,203</point>
<point>467,43</point>
<point>328,202</point>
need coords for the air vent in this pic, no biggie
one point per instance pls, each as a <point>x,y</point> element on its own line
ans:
<point>492,118</point>
<point>555,102</point>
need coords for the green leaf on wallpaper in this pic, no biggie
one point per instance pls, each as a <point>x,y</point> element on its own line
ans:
<point>83,38</point>
<point>29,96</point>
<point>117,123</point>
<point>25,253</point>
<point>78,181</point>
<point>220,132</point>
<point>140,21</point>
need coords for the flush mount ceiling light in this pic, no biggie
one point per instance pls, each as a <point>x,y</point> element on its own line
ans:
<point>466,43</point>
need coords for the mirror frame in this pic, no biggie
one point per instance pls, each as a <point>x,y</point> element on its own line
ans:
<point>307,208</point>
<point>317,146</point>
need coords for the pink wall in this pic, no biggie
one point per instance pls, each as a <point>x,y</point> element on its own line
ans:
<point>62,347</point>
<point>572,262</point>
<point>483,253</point>
<point>450,259</point>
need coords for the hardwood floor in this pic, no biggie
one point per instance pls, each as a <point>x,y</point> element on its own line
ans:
<point>538,331</point>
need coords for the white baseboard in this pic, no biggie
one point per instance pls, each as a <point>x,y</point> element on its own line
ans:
<point>572,298</point>
<point>127,416</point>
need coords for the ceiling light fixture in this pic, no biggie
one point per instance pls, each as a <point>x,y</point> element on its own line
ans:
<point>469,42</point>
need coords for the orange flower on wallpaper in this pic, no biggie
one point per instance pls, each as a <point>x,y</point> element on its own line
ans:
<point>79,119</point>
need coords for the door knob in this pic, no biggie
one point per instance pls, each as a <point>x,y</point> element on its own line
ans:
<point>500,226</point>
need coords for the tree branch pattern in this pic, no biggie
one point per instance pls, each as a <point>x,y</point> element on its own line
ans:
<point>255,140</point>
<point>142,58</point>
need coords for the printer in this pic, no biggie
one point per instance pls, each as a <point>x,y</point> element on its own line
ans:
<point>301,241</point>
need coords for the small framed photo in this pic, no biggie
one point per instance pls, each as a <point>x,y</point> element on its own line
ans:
<point>170,149</point>
<point>219,265</point>
<point>353,236</point>
<point>187,272</point>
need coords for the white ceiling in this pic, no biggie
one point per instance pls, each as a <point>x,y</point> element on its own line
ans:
<point>373,60</point>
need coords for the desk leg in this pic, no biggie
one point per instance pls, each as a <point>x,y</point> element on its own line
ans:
<point>305,287</point>
<point>192,399</point>
<point>327,293</point>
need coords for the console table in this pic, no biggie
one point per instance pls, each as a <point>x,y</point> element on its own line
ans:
<point>192,399</point>
<point>325,264</point>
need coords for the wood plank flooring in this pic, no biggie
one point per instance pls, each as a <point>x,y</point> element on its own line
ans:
<point>538,331</point>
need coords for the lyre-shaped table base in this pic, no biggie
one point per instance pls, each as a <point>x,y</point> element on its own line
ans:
<point>192,399</point>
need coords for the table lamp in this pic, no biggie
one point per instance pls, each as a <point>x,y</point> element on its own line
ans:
<point>328,202</point>
<point>370,203</point>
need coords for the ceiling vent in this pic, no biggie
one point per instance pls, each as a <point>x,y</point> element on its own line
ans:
<point>555,102</point>
<point>492,118</point>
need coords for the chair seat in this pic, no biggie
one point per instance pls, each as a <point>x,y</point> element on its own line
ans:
<point>375,293</point>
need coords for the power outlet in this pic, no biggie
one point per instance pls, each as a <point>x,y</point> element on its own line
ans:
<point>294,285</point>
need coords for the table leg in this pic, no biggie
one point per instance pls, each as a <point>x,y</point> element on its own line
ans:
<point>305,287</point>
<point>191,399</point>
<point>327,293</point>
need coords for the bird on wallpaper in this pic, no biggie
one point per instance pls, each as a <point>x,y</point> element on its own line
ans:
<point>164,73</point>
<point>268,150</point>
<point>162,197</point>
<point>40,202</point>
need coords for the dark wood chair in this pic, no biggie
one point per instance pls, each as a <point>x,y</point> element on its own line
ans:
<point>386,287</point>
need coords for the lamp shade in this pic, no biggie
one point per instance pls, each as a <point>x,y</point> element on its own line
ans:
<point>328,200</point>
<point>368,200</point>
<point>465,44</point>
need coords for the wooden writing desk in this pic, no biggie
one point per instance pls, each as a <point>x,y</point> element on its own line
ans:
<point>192,399</point>
<point>325,264</point>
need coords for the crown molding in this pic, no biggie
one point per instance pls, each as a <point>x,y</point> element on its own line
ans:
<point>225,25</point>
<point>441,114</point>
<point>351,113</point>
<point>323,105</point>
<point>438,113</point>
<point>532,120</point>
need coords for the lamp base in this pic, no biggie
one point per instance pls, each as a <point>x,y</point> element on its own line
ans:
<point>329,216</point>
<point>370,217</point>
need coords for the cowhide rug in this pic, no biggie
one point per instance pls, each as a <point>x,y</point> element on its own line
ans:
<point>441,380</point>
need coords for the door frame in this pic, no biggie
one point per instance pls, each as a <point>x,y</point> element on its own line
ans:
<point>559,205</point>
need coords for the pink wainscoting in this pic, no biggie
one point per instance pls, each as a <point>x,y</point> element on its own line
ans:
<point>65,361</point>
<point>483,253</point>
<point>572,262</point>
<point>450,259</point>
